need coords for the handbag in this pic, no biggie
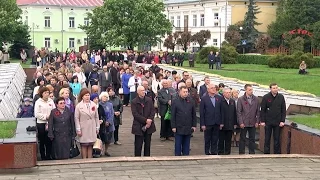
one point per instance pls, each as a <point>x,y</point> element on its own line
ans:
<point>120,90</point>
<point>98,145</point>
<point>38,59</point>
<point>74,150</point>
<point>167,116</point>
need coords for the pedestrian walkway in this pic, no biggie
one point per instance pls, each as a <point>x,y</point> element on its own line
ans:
<point>303,168</point>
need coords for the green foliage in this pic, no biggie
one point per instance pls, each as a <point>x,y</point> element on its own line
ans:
<point>202,57</point>
<point>201,37</point>
<point>250,33</point>
<point>128,22</point>
<point>292,61</point>
<point>316,35</point>
<point>171,41</point>
<point>8,129</point>
<point>9,20</point>
<point>21,41</point>
<point>228,54</point>
<point>253,59</point>
<point>296,44</point>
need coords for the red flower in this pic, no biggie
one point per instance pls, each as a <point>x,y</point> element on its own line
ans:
<point>246,102</point>
<point>49,104</point>
<point>93,108</point>
<point>142,105</point>
<point>231,103</point>
<point>57,113</point>
<point>269,100</point>
<point>217,99</point>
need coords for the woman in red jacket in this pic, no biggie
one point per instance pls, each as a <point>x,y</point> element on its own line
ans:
<point>156,58</point>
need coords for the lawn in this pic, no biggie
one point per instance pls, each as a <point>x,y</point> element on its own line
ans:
<point>288,79</point>
<point>7,129</point>
<point>312,121</point>
<point>26,65</point>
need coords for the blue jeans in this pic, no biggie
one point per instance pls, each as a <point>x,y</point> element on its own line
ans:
<point>218,65</point>
<point>43,61</point>
<point>182,145</point>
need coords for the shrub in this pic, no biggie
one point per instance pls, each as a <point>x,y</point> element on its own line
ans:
<point>229,54</point>
<point>202,57</point>
<point>292,61</point>
<point>253,59</point>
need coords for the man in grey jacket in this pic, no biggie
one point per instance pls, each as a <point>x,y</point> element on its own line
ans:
<point>105,80</point>
<point>191,59</point>
<point>248,112</point>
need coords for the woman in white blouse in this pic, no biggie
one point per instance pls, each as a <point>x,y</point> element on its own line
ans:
<point>42,110</point>
<point>81,77</point>
<point>156,86</point>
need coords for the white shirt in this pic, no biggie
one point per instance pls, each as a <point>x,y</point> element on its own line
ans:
<point>42,109</point>
<point>131,84</point>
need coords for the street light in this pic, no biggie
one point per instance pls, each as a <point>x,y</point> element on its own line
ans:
<point>243,41</point>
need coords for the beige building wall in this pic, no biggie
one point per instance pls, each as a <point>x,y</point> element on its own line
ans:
<point>267,15</point>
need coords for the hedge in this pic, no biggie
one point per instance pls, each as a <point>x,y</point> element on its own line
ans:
<point>253,59</point>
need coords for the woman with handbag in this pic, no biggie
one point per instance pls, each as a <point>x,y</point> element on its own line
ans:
<point>97,147</point>
<point>106,133</point>
<point>61,130</point>
<point>117,108</point>
<point>86,122</point>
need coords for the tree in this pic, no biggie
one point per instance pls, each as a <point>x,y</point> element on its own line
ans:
<point>184,40</point>
<point>201,37</point>
<point>171,41</point>
<point>294,14</point>
<point>250,33</point>
<point>21,40</point>
<point>128,22</point>
<point>233,37</point>
<point>9,20</point>
<point>296,44</point>
<point>263,42</point>
<point>316,35</point>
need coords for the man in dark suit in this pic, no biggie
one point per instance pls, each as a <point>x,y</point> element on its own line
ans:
<point>114,72</point>
<point>210,119</point>
<point>183,121</point>
<point>229,122</point>
<point>143,123</point>
<point>105,79</point>
<point>148,92</point>
<point>165,97</point>
<point>203,88</point>
<point>273,116</point>
<point>211,58</point>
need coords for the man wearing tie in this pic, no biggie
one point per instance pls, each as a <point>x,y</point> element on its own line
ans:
<point>210,119</point>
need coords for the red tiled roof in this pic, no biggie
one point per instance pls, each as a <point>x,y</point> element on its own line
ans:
<point>73,3</point>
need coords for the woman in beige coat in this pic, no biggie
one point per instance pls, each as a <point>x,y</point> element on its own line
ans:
<point>86,122</point>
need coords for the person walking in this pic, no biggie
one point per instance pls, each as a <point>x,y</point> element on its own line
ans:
<point>183,121</point>
<point>143,122</point>
<point>248,113</point>
<point>211,119</point>
<point>273,115</point>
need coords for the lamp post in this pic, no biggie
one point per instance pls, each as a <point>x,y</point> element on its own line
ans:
<point>220,33</point>
<point>34,26</point>
<point>243,41</point>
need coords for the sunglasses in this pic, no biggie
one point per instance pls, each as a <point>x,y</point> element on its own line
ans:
<point>61,103</point>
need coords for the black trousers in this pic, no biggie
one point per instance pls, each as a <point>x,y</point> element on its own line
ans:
<point>211,137</point>
<point>180,63</point>
<point>211,65</point>
<point>165,129</point>
<point>116,88</point>
<point>252,144</point>
<point>86,74</point>
<point>191,63</point>
<point>45,144</point>
<point>138,142</point>
<point>126,99</point>
<point>225,142</point>
<point>269,129</point>
<point>173,63</point>
<point>116,133</point>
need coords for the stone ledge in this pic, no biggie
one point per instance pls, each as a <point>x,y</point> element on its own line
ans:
<point>170,158</point>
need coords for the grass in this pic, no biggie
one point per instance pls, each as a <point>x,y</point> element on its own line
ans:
<point>312,121</point>
<point>7,129</point>
<point>24,65</point>
<point>288,79</point>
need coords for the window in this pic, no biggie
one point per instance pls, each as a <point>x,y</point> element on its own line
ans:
<point>215,42</point>
<point>71,22</point>
<point>71,42</point>
<point>47,42</point>
<point>85,41</point>
<point>172,20</point>
<point>216,15</point>
<point>178,21</point>
<point>26,20</point>
<point>201,19</point>
<point>86,21</point>
<point>47,21</point>
<point>216,24</point>
<point>194,20</point>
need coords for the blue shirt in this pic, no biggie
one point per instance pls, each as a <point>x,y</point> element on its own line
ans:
<point>213,100</point>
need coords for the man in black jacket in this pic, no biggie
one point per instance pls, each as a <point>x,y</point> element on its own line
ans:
<point>183,121</point>
<point>211,58</point>
<point>273,115</point>
<point>155,69</point>
<point>229,122</point>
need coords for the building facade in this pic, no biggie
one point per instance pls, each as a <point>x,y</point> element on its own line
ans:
<point>55,23</point>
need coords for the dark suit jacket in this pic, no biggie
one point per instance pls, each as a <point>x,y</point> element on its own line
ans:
<point>203,90</point>
<point>210,115</point>
<point>114,76</point>
<point>183,115</point>
<point>142,109</point>
<point>103,81</point>
<point>164,98</point>
<point>273,109</point>
<point>229,114</point>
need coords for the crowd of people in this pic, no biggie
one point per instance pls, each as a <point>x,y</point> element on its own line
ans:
<point>85,99</point>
